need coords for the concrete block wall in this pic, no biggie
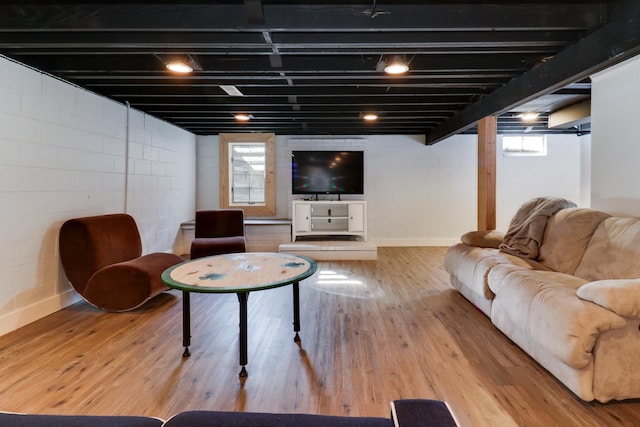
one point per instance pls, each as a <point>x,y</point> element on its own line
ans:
<point>64,153</point>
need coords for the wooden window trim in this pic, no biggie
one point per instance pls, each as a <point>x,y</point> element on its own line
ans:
<point>269,139</point>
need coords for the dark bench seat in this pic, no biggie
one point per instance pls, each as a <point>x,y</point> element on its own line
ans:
<point>405,413</point>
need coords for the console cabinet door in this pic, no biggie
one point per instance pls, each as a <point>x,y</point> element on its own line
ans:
<point>356,217</point>
<point>301,217</point>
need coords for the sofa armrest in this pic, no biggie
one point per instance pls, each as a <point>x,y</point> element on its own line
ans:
<point>622,296</point>
<point>483,239</point>
<point>421,412</point>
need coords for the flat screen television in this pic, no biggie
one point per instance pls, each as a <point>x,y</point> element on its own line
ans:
<point>327,172</point>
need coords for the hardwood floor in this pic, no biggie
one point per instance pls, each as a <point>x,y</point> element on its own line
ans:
<point>372,332</point>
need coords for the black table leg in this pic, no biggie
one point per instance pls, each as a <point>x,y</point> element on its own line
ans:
<point>296,311</point>
<point>242,298</point>
<point>186,323</point>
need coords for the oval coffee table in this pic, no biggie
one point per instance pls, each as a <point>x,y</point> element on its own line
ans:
<point>239,273</point>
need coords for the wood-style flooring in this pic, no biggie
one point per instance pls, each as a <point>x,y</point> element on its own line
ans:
<point>372,332</point>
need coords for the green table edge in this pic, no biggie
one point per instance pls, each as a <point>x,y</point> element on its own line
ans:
<point>168,281</point>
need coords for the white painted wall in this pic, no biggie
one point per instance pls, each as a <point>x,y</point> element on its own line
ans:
<point>615,116</point>
<point>422,195</point>
<point>208,172</point>
<point>63,154</point>
<point>585,171</point>
<point>561,173</point>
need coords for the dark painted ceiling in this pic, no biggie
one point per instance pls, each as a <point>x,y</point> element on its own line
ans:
<point>312,68</point>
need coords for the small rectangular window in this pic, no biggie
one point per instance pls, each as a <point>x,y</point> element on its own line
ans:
<point>248,173</point>
<point>520,145</point>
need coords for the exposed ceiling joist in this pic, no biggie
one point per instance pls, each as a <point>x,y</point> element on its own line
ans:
<point>255,14</point>
<point>315,67</point>
<point>302,16</point>
<point>613,43</point>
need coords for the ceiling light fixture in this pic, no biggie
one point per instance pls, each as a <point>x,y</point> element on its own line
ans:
<point>370,117</point>
<point>179,67</point>
<point>397,65</point>
<point>528,117</point>
<point>242,117</point>
<point>182,64</point>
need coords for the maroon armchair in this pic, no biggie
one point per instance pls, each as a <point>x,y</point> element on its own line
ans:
<point>102,258</point>
<point>218,231</point>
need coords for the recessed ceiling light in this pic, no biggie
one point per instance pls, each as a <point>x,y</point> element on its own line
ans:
<point>179,67</point>
<point>397,65</point>
<point>529,117</point>
<point>396,68</point>
<point>370,117</point>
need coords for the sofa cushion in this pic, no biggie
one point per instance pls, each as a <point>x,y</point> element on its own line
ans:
<point>619,295</point>
<point>543,307</point>
<point>496,277</point>
<point>257,419</point>
<point>38,420</point>
<point>469,267</point>
<point>422,412</point>
<point>472,264</point>
<point>566,237</point>
<point>613,251</point>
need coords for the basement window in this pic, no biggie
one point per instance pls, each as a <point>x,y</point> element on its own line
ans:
<point>246,165</point>
<point>247,169</point>
<point>520,145</point>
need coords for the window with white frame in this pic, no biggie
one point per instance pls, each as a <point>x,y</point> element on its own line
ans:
<point>247,166</point>
<point>524,145</point>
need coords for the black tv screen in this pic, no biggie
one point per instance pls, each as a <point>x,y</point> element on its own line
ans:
<point>327,172</point>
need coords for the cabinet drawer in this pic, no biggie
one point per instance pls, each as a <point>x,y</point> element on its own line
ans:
<point>329,224</point>
<point>330,210</point>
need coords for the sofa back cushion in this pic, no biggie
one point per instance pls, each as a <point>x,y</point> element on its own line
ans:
<point>567,236</point>
<point>613,252</point>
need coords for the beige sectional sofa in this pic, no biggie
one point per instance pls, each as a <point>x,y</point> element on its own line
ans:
<point>574,307</point>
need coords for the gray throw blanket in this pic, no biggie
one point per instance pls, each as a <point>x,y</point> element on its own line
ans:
<point>526,230</point>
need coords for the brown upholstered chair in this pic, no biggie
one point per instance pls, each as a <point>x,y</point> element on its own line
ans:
<point>102,258</point>
<point>218,231</point>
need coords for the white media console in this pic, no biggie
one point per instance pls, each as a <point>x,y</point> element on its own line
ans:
<point>329,218</point>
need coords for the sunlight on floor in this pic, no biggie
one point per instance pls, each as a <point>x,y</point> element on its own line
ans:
<point>341,283</point>
<point>327,277</point>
